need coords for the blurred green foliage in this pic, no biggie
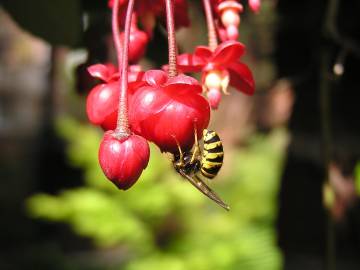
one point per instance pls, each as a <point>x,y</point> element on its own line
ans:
<point>357,178</point>
<point>162,222</point>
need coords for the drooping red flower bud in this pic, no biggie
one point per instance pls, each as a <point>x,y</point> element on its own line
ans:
<point>123,160</point>
<point>148,11</point>
<point>138,43</point>
<point>229,12</point>
<point>167,110</point>
<point>102,101</point>
<point>255,5</point>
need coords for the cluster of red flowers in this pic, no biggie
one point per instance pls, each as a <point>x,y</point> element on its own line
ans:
<point>163,107</point>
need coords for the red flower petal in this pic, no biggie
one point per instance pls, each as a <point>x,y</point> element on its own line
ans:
<point>241,78</point>
<point>146,100</point>
<point>168,113</point>
<point>101,102</point>
<point>203,52</point>
<point>228,52</point>
<point>138,43</point>
<point>102,72</point>
<point>190,63</point>
<point>155,77</point>
<point>135,78</point>
<point>176,123</point>
<point>182,79</point>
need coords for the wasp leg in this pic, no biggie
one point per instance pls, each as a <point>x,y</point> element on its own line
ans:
<point>197,147</point>
<point>181,155</point>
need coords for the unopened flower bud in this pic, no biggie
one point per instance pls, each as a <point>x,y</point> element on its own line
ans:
<point>232,32</point>
<point>214,97</point>
<point>230,17</point>
<point>138,44</point>
<point>123,159</point>
<point>255,5</point>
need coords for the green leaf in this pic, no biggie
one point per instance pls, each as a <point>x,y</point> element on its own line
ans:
<point>59,22</point>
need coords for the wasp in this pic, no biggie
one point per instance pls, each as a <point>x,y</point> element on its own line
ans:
<point>207,163</point>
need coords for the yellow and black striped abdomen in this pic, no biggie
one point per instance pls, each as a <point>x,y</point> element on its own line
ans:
<point>213,154</point>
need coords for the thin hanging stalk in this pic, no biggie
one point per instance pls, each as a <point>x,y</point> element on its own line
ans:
<point>122,127</point>
<point>171,38</point>
<point>212,37</point>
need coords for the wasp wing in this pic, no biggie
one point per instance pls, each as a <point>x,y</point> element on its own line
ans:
<point>205,189</point>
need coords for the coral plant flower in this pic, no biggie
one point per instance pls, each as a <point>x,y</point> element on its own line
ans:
<point>102,101</point>
<point>167,110</point>
<point>219,68</point>
<point>149,10</point>
<point>123,159</point>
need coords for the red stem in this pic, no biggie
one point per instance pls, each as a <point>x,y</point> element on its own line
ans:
<point>122,127</point>
<point>172,72</point>
<point>213,42</point>
<point>116,31</point>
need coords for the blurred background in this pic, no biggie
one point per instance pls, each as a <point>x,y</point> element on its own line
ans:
<point>291,173</point>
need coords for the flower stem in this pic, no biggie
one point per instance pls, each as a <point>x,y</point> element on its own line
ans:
<point>122,127</point>
<point>213,41</point>
<point>116,31</point>
<point>172,72</point>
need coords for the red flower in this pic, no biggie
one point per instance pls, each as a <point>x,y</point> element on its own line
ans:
<point>148,10</point>
<point>102,101</point>
<point>138,42</point>
<point>168,110</point>
<point>123,160</point>
<point>255,5</point>
<point>220,68</point>
<point>229,14</point>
